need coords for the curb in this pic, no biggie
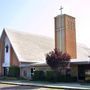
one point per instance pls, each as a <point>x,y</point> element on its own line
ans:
<point>44,86</point>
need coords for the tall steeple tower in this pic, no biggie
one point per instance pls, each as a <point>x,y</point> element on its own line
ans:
<point>65,34</point>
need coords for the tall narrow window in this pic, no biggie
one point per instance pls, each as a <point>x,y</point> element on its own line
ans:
<point>6,48</point>
<point>31,70</point>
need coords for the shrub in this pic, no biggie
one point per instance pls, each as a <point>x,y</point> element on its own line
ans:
<point>61,78</point>
<point>14,71</point>
<point>39,75</point>
<point>56,59</point>
<point>66,78</point>
<point>51,76</point>
<point>73,79</point>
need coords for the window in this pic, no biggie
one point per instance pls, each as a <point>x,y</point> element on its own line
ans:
<point>31,70</point>
<point>6,48</point>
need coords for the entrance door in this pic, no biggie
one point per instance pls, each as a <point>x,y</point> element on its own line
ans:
<point>6,71</point>
<point>81,73</point>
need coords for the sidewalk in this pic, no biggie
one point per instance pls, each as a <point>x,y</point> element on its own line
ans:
<point>75,86</point>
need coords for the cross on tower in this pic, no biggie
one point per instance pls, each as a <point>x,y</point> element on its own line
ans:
<point>61,9</point>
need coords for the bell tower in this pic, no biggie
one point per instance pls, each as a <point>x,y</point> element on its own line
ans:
<point>65,34</point>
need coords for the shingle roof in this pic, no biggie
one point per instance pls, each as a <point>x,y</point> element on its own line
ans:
<point>32,48</point>
<point>28,47</point>
<point>83,51</point>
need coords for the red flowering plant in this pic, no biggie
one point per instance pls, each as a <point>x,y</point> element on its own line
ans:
<point>58,60</point>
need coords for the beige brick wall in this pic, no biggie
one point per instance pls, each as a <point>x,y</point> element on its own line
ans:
<point>74,70</point>
<point>26,71</point>
<point>43,68</point>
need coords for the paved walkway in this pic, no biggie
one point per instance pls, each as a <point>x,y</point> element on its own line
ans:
<point>75,86</point>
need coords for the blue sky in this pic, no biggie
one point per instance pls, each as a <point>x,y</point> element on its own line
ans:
<point>37,16</point>
<point>26,15</point>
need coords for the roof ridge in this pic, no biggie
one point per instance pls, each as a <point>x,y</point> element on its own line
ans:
<point>27,33</point>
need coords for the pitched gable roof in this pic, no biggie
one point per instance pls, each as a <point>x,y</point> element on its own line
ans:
<point>32,48</point>
<point>28,47</point>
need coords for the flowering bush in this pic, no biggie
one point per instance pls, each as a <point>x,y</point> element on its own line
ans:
<point>56,59</point>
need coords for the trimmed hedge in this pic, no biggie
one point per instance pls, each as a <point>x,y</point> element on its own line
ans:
<point>52,76</point>
<point>39,75</point>
<point>61,78</point>
<point>14,71</point>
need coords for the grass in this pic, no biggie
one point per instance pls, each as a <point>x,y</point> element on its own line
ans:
<point>11,78</point>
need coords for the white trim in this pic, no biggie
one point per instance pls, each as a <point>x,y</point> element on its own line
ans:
<point>6,54</point>
<point>80,61</point>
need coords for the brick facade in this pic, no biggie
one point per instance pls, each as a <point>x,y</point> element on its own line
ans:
<point>13,58</point>
<point>65,34</point>
<point>2,52</point>
<point>70,33</point>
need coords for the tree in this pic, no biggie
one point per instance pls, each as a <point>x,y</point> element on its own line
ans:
<point>58,60</point>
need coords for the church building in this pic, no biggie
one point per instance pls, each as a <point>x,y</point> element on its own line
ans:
<point>22,49</point>
<point>28,51</point>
